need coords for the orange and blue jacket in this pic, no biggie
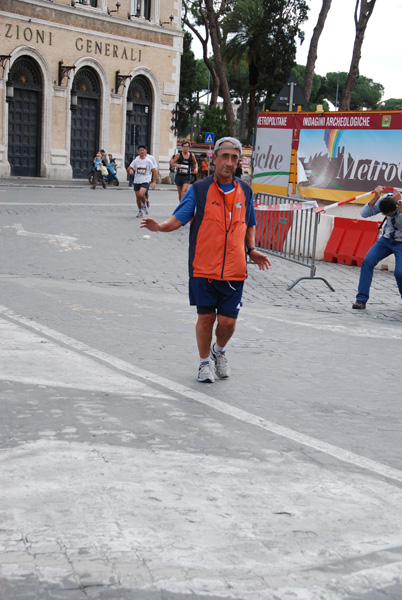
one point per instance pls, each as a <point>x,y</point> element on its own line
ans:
<point>217,237</point>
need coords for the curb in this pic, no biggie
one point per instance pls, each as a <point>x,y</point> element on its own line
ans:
<point>72,185</point>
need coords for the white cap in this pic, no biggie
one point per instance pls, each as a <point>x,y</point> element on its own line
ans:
<point>228,142</point>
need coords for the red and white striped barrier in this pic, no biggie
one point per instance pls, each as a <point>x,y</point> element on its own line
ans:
<point>292,206</point>
<point>351,200</point>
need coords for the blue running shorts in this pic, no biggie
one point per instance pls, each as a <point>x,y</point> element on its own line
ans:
<point>213,295</point>
<point>138,186</point>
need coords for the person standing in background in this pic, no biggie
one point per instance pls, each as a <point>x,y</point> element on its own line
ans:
<point>204,167</point>
<point>98,175</point>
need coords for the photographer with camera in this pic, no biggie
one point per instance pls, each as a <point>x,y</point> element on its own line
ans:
<point>389,243</point>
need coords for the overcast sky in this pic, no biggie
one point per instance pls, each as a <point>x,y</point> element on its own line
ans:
<point>381,58</point>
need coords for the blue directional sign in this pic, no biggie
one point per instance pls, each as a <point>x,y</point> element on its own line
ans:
<point>209,138</point>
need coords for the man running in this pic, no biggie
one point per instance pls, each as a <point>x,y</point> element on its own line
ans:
<point>145,174</point>
<point>186,163</point>
<point>222,233</point>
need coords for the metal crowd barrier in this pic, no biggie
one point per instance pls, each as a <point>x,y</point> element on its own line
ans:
<point>287,228</point>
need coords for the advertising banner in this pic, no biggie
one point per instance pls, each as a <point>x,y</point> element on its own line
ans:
<point>339,155</point>
<point>272,160</point>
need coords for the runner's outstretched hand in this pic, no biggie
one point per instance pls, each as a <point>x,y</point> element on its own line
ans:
<point>171,224</point>
<point>150,224</point>
<point>261,260</point>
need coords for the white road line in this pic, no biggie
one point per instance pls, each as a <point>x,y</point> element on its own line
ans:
<point>222,407</point>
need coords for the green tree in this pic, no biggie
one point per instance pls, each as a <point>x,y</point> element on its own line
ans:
<point>392,104</point>
<point>278,30</point>
<point>213,10</point>
<point>366,93</point>
<point>363,12</point>
<point>333,86</point>
<point>316,91</point>
<point>282,21</point>
<point>195,18</point>
<point>263,33</point>
<point>245,28</point>
<point>213,119</point>
<point>312,53</point>
<point>193,79</point>
<point>201,77</point>
<point>239,88</point>
<point>188,104</point>
<point>209,15</point>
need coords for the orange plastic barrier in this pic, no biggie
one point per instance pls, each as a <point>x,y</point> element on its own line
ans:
<point>272,229</point>
<point>350,241</point>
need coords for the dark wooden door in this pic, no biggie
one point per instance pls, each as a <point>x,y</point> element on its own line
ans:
<point>84,135</point>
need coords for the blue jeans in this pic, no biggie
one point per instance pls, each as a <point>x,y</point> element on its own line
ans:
<point>381,249</point>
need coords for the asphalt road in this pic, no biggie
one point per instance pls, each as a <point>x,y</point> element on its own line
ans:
<point>122,477</point>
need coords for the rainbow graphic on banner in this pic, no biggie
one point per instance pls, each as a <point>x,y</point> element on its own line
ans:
<point>331,139</point>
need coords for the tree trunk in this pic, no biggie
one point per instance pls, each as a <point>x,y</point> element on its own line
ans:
<point>215,81</point>
<point>191,128</point>
<point>312,53</point>
<point>366,9</point>
<point>243,118</point>
<point>253,76</point>
<point>251,115</point>
<point>208,62</point>
<point>220,69</point>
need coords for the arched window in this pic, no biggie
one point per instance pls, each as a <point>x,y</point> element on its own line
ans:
<point>86,83</point>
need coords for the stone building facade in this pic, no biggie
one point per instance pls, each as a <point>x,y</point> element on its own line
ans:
<point>80,75</point>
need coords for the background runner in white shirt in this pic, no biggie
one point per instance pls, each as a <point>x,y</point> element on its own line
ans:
<point>145,173</point>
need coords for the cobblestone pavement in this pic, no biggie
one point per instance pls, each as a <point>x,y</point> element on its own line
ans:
<point>385,302</point>
<point>122,478</point>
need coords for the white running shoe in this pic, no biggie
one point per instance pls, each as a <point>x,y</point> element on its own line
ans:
<point>206,372</point>
<point>221,363</point>
<point>139,213</point>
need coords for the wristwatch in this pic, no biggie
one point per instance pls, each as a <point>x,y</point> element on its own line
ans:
<point>249,251</point>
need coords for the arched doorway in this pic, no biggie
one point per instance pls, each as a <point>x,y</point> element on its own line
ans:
<point>139,117</point>
<point>25,118</point>
<point>85,111</point>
